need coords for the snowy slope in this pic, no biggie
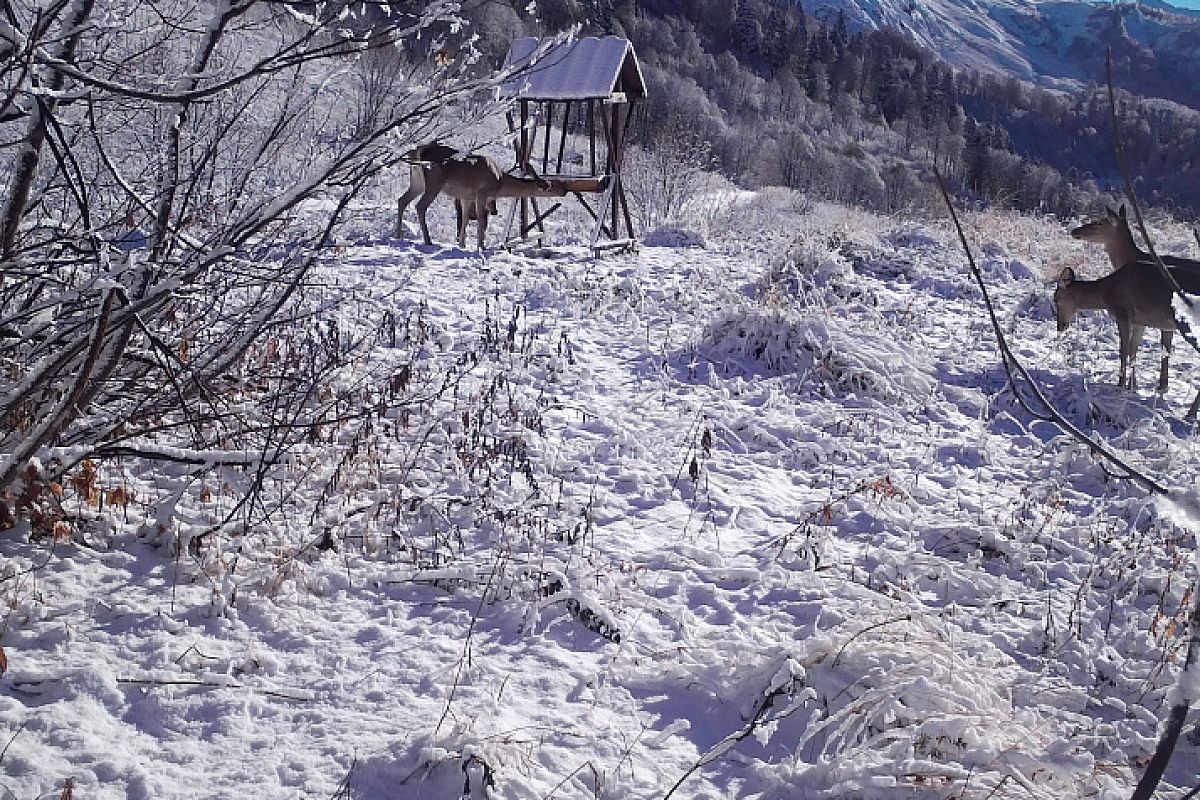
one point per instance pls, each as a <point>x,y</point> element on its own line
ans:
<point>1053,42</point>
<point>756,520</point>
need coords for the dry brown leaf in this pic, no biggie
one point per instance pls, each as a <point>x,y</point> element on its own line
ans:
<point>120,496</point>
<point>3,662</point>
<point>84,481</point>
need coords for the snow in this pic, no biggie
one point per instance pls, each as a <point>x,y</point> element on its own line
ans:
<point>1026,38</point>
<point>760,516</point>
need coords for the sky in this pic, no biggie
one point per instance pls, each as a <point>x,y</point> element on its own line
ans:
<point>1193,4</point>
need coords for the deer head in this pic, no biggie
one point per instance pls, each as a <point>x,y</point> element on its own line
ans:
<point>1064,303</point>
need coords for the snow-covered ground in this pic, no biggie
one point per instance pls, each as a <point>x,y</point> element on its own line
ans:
<point>757,519</point>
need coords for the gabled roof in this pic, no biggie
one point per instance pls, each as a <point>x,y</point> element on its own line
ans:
<point>580,69</point>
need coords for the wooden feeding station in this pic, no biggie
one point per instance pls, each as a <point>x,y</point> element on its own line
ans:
<point>587,88</point>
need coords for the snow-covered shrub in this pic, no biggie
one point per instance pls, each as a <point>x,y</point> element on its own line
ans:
<point>674,236</point>
<point>814,272</point>
<point>844,357</point>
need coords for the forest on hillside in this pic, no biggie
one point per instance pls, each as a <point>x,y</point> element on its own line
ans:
<point>778,96</point>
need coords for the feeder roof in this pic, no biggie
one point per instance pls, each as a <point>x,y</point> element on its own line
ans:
<point>578,69</point>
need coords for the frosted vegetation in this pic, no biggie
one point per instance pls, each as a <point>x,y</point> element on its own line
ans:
<point>291,508</point>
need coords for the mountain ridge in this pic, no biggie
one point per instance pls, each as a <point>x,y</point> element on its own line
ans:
<point>1059,44</point>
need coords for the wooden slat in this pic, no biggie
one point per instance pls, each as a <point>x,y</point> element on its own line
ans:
<point>588,208</point>
<point>601,213</point>
<point>546,144</point>
<point>538,221</point>
<point>615,244</point>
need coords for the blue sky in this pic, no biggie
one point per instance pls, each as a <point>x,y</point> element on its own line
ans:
<point>1185,3</point>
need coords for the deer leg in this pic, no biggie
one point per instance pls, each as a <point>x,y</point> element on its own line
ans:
<point>464,218</point>
<point>433,187</point>
<point>1131,337</point>
<point>481,221</point>
<point>422,206</point>
<point>1167,336</point>
<point>416,187</point>
<point>1122,351</point>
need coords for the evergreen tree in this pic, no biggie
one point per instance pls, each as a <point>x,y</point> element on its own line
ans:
<point>779,38</point>
<point>747,32</point>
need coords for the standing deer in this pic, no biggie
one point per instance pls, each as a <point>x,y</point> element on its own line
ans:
<point>1142,285</point>
<point>473,181</point>
<point>421,160</point>
<point>1136,297</point>
<point>1112,231</point>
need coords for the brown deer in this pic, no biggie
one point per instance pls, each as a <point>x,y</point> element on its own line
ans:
<point>1112,231</point>
<point>474,182</point>
<point>420,160</point>
<point>1141,288</point>
<point>1135,297</point>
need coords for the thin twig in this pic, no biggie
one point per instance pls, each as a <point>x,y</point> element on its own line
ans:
<point>343,790</point>
<point>868,629</point>
<point>13,739</point>
<point>466,654</point>
<point>211,685</point>
<point>573,773</point>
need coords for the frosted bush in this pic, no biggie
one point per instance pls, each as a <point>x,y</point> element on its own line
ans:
<point>674,236</point>
<point>846,358</point>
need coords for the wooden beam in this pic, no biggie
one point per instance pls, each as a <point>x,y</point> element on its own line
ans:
<point>595,217</point>
<point>523,160</point>
<point>610,117</point>
<point>537,223</point>
<point>602,213</point>
<point>592,185</point>
<point>625,207</point>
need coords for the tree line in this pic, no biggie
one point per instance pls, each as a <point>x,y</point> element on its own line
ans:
<point>789,98</point>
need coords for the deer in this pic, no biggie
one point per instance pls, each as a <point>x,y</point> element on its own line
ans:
<point>1143,286</point>
<point>420,160</point>
<point>1135,297</point>
<point>1112,231</point>
<point>474,181</point>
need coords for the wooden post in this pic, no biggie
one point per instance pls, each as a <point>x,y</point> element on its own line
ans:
<point>562,139</point>
<point>522,160</point>
<point>620,163</point>
<point>614,119</point>
<point>549,106</point>
<point>591,125</point>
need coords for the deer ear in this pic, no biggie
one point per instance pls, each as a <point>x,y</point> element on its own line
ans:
<point>1066,276</point>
